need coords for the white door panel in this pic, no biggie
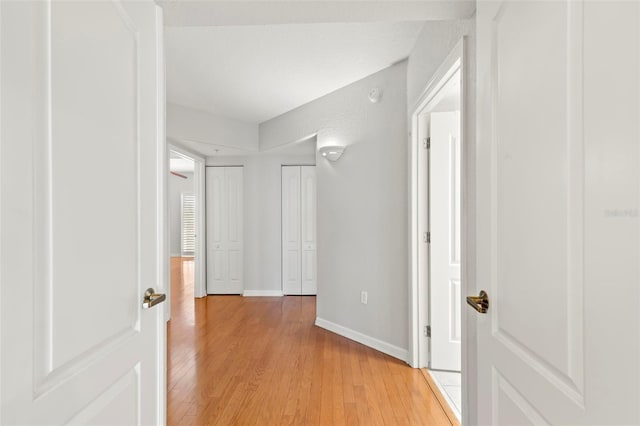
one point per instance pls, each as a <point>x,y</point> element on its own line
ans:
<point>82,148</point>
<point>216,230</point>
<point>235,266</point>
<point>224,230</point>
<point>292,269</point>
<point>215,196</point>
<point>235,218</point>
<point>444,225</point>
<point>557,200</point>
<point>291,228</point>
<point>218,270</point>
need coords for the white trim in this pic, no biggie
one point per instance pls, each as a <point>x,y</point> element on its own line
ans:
<point>262,293</point>
<point>372,342</point>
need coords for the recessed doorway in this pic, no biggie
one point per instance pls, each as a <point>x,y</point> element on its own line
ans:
<point>437,231</point>
<point>186,216</point>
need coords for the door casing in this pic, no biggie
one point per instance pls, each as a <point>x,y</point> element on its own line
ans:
<point>457,60</point>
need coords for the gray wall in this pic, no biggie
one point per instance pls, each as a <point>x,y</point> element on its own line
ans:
<point>362,202</point>
<point>177,186</point>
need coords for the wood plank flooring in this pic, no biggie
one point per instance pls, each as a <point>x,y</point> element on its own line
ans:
<point>262,361</point>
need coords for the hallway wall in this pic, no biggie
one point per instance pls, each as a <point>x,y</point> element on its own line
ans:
<point>362,205</point>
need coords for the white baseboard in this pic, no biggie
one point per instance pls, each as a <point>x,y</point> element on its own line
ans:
<point>372,342</point>
<point>262,293</point>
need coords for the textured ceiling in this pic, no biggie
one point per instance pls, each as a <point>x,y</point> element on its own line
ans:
<point>255,72</point>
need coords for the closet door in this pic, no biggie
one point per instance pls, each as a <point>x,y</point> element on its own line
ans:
<point>216,231</point>
<point>234,183</point>
<point>224,230</point>
<point>308,229</point>
<point>291,241</point>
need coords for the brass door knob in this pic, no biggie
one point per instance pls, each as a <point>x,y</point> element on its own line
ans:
<point>480,303</point>
<point>151,298</point>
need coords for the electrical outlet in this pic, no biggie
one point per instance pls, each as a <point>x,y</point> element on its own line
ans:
<point>363,297</point>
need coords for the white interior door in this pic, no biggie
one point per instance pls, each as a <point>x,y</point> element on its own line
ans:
<point>224,230</point>
<point>291,228</point>
<point>558,196</point>
<point>216,229</point>
<point>444,216</point>
<point>81,238</point>
<point>308,229</point>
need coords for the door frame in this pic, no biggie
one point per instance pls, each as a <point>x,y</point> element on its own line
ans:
<point>455,61</point>
<point>199,282</point>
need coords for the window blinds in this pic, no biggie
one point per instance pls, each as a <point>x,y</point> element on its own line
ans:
<point>188,224</point>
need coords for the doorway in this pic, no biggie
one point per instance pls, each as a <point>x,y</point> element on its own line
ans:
<point>186,216</point>
<point>437,231</point>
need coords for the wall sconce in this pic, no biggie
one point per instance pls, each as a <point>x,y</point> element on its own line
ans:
<point>332,152</point>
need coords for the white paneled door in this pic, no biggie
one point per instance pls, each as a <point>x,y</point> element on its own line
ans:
<point>444,226</point>
<point>299,230</point>
<point>82,168</point>
<point>558,237</point>
<point>224,188</point>
<point>291,239</point>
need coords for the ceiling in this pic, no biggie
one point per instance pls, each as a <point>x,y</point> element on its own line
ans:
<point>253,73</point>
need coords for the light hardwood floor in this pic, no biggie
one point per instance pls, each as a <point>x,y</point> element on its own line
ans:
<point>261,361</point>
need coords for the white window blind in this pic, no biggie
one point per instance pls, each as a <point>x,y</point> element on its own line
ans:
<point>188,224</point>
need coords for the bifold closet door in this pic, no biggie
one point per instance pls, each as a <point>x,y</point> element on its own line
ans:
<point>224,230</point>
<point>299,230</point>
<point>308,229</point>
<point>291,277</point>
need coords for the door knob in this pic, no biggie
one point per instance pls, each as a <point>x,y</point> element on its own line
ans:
<point>480,303</point>
<point>151,298</point>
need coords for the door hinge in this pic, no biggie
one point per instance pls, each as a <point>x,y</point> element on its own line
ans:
<point>426,143</point>
<point>426,237</point>
<point>427,331</point>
